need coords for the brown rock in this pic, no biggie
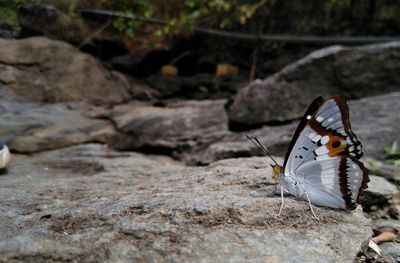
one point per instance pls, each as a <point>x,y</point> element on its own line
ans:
<point>42,70</point>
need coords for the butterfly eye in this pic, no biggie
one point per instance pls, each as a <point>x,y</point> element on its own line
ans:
<point>277,169</point>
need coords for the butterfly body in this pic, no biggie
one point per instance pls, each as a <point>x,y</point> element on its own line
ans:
<point>292,185</point>
<point>322,164</point>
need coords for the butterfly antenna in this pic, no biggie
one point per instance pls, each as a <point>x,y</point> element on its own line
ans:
<point>257,143</point>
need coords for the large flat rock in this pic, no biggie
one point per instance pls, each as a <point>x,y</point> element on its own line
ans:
<point>87,203</point>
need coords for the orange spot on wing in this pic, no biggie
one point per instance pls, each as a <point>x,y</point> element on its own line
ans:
<point>335,145</point>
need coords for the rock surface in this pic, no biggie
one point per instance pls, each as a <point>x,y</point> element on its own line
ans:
<point>379,191</point>
<point>236,144</point>
<point>177,125</point>
<point>87,203</point>
<point>50,127</point>
<point>376,122</point>
<point>42,70</point>
<point>355,72</point>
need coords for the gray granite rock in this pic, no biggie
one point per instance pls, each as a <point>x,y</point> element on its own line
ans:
<point>379,191</point>
<point>88,203</point>
<point>50,127</point>
<point>376,122</point>
<point>380,185</point>
<point>177,125</point>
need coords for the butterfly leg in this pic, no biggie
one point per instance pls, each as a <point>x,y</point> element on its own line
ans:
<point>280,209</point>
<point>275,188</point>
<point>312,210</point>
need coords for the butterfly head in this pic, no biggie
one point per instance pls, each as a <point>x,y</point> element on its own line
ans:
<point>277,170</point>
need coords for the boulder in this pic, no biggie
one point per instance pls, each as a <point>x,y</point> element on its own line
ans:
<point>42,70</point>
<point>50,127</point>
<point>376,122</point>
<point>380,191</point>
<point>176,125</point>
<point>355,72</point>
<point>87,203</point>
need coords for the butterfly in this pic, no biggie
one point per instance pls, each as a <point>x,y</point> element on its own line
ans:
<point>322,163</point>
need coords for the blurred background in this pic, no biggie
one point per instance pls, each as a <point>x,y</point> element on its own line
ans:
<point>189,78</point>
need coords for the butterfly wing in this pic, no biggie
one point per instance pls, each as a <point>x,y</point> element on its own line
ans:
<point>320,151</point>
<point>335,182</point>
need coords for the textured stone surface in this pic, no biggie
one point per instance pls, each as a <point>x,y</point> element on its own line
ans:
<point>355,72</point>
<point>42,70</point>
<point>379,191</point>
<point>87,203</point>
<point>177,125</point>
<point>376,122</point>
<point>236,144</point>
<point>50,127</point>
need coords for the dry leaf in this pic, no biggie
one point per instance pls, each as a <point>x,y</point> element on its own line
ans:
<point>384,237</point>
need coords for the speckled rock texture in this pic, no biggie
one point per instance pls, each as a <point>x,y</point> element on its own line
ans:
<point>87,203</point>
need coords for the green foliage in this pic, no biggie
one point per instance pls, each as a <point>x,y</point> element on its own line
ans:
<point>8,9</point>
<point>275,16</point>
<point>333,5</point>
<point>8,14</point>
<point>182,16</point>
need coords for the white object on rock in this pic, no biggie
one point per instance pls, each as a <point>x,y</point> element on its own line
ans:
<point>374,247</point>
<point>4,156</point>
